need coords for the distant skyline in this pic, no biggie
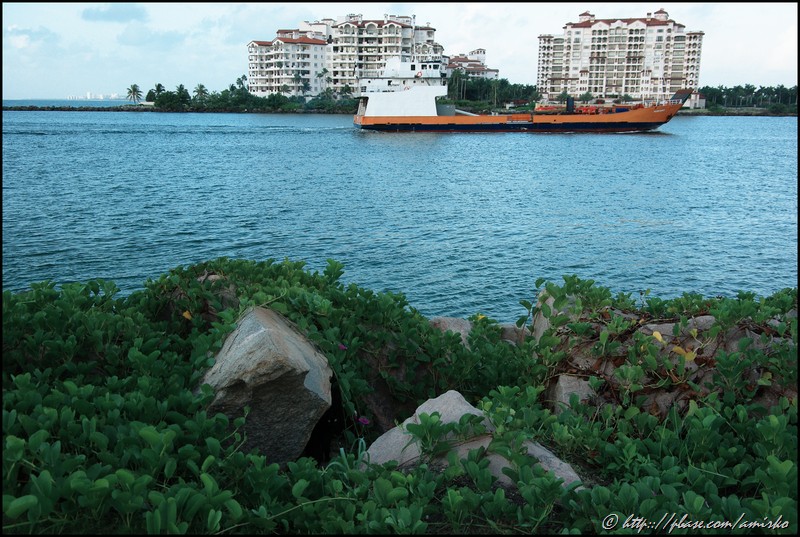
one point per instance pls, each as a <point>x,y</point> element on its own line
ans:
<point>54,51</point>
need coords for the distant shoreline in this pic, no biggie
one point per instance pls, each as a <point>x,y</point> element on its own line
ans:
<point>142,108</point>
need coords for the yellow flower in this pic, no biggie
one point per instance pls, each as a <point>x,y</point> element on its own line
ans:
<point>187,315</point>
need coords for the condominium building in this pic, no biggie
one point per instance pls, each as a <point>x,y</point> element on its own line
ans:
<point>331,54</point>
<point>645,58</point>
<point>473,64</point>
<point>290,64</point>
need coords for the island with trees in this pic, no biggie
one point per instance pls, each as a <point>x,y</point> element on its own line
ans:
<point>467,93</point>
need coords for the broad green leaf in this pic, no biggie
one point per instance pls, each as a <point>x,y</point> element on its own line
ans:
<point>397,494</point>
<point>20,505</point>
<point>150,435</point>
<point>234,509</point>
<point>169,468</point>
<point>299,488</point>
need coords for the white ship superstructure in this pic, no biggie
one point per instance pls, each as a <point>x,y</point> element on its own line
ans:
<point>407,87</point>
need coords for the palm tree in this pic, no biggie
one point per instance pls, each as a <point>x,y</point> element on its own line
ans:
<point>134,93</point>
<point>321,75</point>
<point>159,89</point>
<point>346,91</point>
<point>183,94</point>
<point>298,79</point>
<point>780,91</point>
<point>200,92</point>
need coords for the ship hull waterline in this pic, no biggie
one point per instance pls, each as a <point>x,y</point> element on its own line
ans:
<point>610,128</point>
<point>636,120</point>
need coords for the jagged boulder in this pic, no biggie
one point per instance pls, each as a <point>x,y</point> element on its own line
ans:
<point>268,365</point>
<point>693,338</point>
<point>399,445</point>
<point>511,333</point>
<point>564,387</point>
<point>459,326</point>
<point>673,339</point>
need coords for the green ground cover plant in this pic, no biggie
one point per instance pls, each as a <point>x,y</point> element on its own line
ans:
<point>106,428</point>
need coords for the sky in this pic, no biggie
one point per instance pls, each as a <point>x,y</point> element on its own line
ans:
<point>58,50</point>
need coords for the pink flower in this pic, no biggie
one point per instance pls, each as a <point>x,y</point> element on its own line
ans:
<point>363,420</point>
<point>342,347</point>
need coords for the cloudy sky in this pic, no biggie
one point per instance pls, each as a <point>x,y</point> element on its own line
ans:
<point>53,51</point>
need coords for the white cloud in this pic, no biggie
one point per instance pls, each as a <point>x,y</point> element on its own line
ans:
<point>19,41</point>
<point>25,38</point>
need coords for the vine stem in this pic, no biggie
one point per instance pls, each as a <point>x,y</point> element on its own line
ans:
<point>287,511</point>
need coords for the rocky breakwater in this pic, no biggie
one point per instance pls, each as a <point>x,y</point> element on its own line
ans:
<point>268,366</point>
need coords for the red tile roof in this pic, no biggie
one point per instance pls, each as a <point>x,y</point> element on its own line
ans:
<point>301,41</point>
<point>645,20</point>
<point>376,22</point>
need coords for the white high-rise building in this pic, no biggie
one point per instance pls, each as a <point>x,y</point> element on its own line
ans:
<point>473,64</point>
<point>645,58</point>
<point>288,64</point>
<point>329,54</point>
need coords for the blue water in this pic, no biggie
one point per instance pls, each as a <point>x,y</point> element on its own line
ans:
<point>459,223</point>
<point>74,103</point>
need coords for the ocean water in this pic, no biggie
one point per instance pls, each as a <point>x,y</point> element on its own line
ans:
<point>74,103</point>
<point>459,223</point>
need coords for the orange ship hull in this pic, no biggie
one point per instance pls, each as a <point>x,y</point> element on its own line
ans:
<point>640,119</point>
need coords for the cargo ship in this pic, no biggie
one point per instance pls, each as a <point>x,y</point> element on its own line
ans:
<point>406,94</point>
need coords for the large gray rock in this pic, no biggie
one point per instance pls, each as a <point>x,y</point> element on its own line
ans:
<point>513,334</point>
<point>566,385</point>
<point>509,332</point>
<point>398,445</point>
<point>395,443</point>
<point>540,324</point>
<point>459,326</point>
<point>268,365</point>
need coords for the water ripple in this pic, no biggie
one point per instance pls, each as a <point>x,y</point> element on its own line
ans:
<point>458,223</point>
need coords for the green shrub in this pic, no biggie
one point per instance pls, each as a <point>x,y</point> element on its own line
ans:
<point>106,429</point>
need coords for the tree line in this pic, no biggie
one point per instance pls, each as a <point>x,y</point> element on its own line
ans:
<point>237,98</point>
<point>750,96</point>
<point>478,94</point>
<point>474,93</point>
<point>462,87</point>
